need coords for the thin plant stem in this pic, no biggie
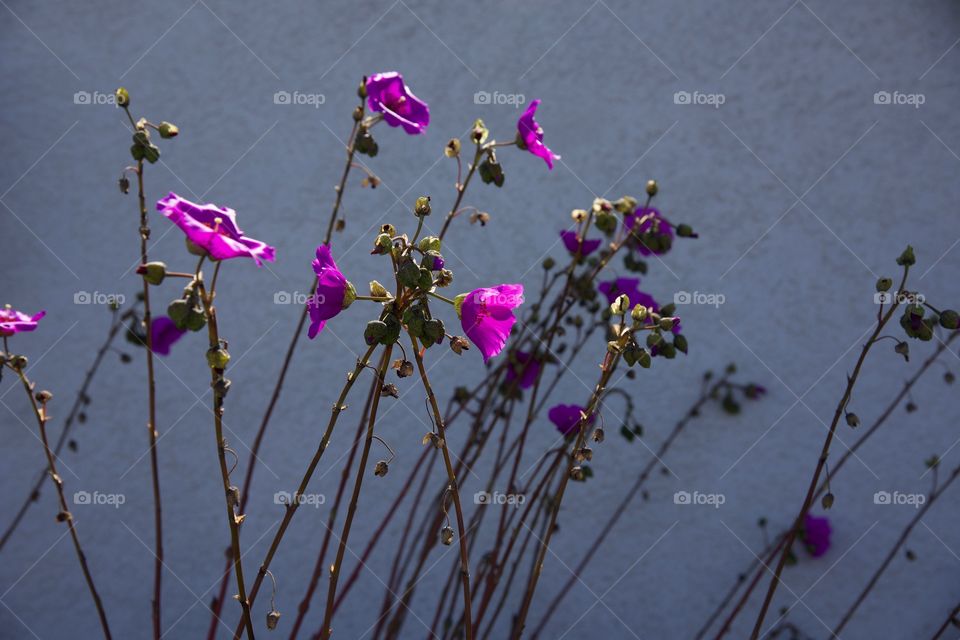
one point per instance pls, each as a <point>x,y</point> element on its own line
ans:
<point>282,374</point>
<point>78,403</point>
<point>40,412</point>
<point>461,189</point>
<point>824,452</point>
<point>291,509</point>
<point>234,519</point>
<point>152,408</point>
<point>453,487</point>
<point>355,497</point>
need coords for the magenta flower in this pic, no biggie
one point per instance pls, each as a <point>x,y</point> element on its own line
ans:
<point>524,366</point>
<point>334,292</point>
<point>566,417</point>
<point>387,94</point>
<point>572,242</point>
<point>13,321</point>
<point>163,333</point>
<point>656,225</point>
<point>213,229</point>
<point>486,316</point>
<point>816,535</point>
<point>531,135</point>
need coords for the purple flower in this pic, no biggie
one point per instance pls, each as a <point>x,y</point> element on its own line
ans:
<point>387,94</point>
<point>334,293</point>
<point>656,225</point>
<point>524,366</point>
<point>816,535</point>
<point>13,321</point>
<point>486,316</point>
<point>532,135</point>
<point>566,417</point>
<point>214,230</point>
<point>572,242</point>
<point>163,333</point>
<point>435,261</point>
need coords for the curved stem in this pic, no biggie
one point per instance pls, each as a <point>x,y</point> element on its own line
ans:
<point>65,516</point>
<point>461,189</point>
<point>352,508</point>
<point>454,489</point>
<point>291,509</point>
<point>821,461</point>
<point>233,518</point>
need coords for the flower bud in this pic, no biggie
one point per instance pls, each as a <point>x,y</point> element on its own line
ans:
<point>390,390</point>
<point>949,319</point>
<point>381,469</point>
<point>273,617</point>
<point>349,295</point>
<point>452,150</point>
<point>652,188</point>
<point>620,305</point>
<point>903,349</point>
<point>578,215</point>
<point>377,290</point>
<point>358,114</point>
<point>154,272</point>
<point>404,369</point>
<point>444,278</point>
<point>827,500</point>
<point>479,132</point>
<point>44,396</point>
<point>168,130</point>
<point>429,243</point>
<point>549,263</point>
<point>598,435</point>
<point>218,358</point>
<point>639,313</point>
<point>122,97</point>
<point>422,206</point>
<point>666,323</point>
<point>685,231</point>
<point>446,535</point>
<point>852,419</point>
<point>884,284</point>
<point>383,244</point>
<point>124,184</point>
<point>459,344</point>
<point>907,258</point>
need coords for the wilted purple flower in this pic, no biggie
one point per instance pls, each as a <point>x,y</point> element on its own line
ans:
<point>334,293</point>
<point>816,535</point>
<point>213,229</point>
<point>526,367</point>
<point>486,316</point>
<point>13,321</point>
<point>435,261</point>
<point>566,417</point>
<point>163,333</point>
<point>532,135</point>
<point>656,224</point>
<point>572,242</point>
<point>387,94</point>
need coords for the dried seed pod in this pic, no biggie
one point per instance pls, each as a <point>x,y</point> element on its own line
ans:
<point>446,535</point>
<point>273,617</point>
<point>381,468</point>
